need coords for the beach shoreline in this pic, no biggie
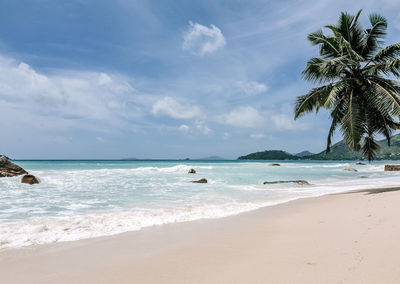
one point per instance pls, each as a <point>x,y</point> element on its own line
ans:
<point>338,238</point>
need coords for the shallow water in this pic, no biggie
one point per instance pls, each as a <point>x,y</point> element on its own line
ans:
<point>84,199</point>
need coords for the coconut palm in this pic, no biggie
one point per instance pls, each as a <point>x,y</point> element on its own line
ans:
<point>358,82</point>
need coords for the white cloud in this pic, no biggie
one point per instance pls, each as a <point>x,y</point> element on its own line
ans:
<point>170,107</point>
<point>184,128</point>
<point>243,117</point>
<point>100,139</point>
<point>251,87</point>
<point>226,136</point>
<point>257,136</point>
<point>198,127</point>
<point>202,127</point>
<point>285,122</point>
<point>202,40</point>
<point>67,95</point>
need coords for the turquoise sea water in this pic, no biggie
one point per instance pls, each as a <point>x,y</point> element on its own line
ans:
<point>84,199</point>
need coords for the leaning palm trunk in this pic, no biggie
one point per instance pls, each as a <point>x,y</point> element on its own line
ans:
<point>357,82</point>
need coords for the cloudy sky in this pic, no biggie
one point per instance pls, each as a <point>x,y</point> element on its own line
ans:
<point>161,79</point>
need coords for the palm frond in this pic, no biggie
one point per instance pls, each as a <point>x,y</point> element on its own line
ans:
<point>312,100</point>
<point>320,71</point>
<point>328,46</point>
<point>370,147</point>
<point>362,97</point>
<point>389,52</point>
<point>352,123</point>
<point>337,115</point>
<point>388,67</point>
<point>374,34</point>
<point>387,96</point>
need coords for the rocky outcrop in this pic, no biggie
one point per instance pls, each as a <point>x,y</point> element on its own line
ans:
<point>202,180</point>
<point>9,169</point>
<point>191,171</point>
<point>391,168</point>
<point>360,164</point>
<point>300,182</point>
<point>350,170</point>
<point>274,165</point>
<point>29,179</point>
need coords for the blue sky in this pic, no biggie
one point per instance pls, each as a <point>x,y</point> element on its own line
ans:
<point>161,79</point>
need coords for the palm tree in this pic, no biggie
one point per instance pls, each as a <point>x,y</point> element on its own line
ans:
<point>357,78</point>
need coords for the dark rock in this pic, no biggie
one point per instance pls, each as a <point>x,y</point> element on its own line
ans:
<point>360,164</point>
<point>300,182</point>
<point>274,165</point>
<point>391,168</point>
<point>191,171</point>
<point>9,169</point>
<point>203,180</point>
<point>30,179</point>
<point>350,170</point>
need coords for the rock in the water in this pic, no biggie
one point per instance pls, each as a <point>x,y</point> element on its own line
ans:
<point>274,165</point>
<point>30,179</point>
<point>391,168</point>
<point>300,182</point>
<point>350,170</point>
<point>191,171</point>
<point>360,164</point>
<point>203,180</point>
<point>9,169</point>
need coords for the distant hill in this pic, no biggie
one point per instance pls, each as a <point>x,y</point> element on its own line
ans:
<point>269,155</point>
<point>339,151</point>
<point>304,154</point>
<point>212,158</point>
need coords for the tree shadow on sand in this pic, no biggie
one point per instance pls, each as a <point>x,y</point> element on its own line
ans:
<point>373,190</point>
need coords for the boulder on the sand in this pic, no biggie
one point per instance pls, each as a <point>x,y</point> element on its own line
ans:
<point>300,182</point>
<point>9,169</point>
<point>274,165</point>
<point>202,180</point>
<point>360,164</point>
<point>29,179</point>
<point>191,171</point>
<point>350,170</point>
<point>391,168</point>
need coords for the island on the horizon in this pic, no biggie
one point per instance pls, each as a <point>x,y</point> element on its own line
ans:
<point>339,151</point>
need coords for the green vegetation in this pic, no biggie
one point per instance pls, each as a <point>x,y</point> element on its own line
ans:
<point>339,151</point>
<point>359,92</point>
<point>269,155</point>
<point>304,154</point>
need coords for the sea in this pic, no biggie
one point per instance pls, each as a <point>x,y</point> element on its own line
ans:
<point>86,199</point>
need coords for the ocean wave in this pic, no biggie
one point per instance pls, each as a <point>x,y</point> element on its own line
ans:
<point>71,228</point>
<point>76,203</point>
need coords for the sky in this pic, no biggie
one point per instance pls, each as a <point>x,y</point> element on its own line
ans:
<point>97,79</point>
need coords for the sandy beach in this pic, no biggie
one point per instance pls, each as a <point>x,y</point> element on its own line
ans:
<point>342,238</point>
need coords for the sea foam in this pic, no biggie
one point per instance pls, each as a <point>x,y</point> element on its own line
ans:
<point>92,199</point>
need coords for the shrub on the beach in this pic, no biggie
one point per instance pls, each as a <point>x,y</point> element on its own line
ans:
<point>356,75</point>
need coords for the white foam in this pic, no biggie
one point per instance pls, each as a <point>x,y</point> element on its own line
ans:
<point>70,228</point>
<point>73,204</point>
<point>50,230</point>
